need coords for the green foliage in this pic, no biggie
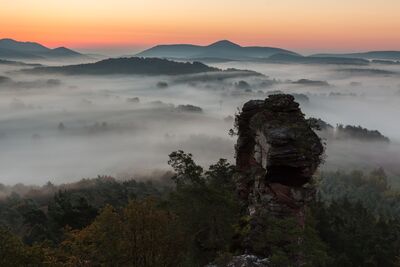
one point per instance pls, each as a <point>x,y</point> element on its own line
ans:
<point>371,189</point>
<point>220,175</point>
<point>14,253</point>
<point>275,238</point>
<point>43,213</point>
<point>186,170</point>
<point>141,235</point>
<point>98,243</point>
<point>66,210</point>
<point>314,250</point>
<point>205,205</point>
<point>284,241</point>
<point>103,222</point>
<point>355,236</point>
<point>357,216</point>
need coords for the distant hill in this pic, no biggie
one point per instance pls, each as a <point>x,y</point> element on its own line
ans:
<point>385,55</point>
<point>367,72</point>
<point>343,132</point>
<point>11,54</point>
<point>65,52</point>
<point>221,50</point>
<point>287,58</point>
<point>311,82</point>
<point>134,65</point>
<point>11,49</point>
<point>17,63</point>
<point>12,84</point>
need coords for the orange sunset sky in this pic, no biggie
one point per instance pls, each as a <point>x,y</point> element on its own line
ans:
<point>300,25</point>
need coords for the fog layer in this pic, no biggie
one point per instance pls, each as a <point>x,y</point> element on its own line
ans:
<point>64,128</point>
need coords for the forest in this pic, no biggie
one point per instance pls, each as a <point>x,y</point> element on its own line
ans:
<point>192,217</point>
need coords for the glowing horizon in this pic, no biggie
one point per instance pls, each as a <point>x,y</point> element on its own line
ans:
<point>299,25</point>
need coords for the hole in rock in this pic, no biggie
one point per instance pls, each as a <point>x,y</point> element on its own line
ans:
<point>286,175</point>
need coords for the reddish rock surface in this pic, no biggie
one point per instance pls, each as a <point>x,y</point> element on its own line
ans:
<point>277,154</point>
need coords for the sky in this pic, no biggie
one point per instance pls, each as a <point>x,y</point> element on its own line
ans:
<point>127,25</point>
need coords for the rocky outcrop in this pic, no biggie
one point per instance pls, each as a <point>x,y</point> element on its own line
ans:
<point>248,261</point>
<point>245,260</point>
<point>277,155</point>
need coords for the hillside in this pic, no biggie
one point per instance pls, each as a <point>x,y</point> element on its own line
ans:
<point>134,65</point>
<point>298,59</point>
<point>12,49</point>
<point>219,50</point>
<point>386,55</point>
<point>17,63</point>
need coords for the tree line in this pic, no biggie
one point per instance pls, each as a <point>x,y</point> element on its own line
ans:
<point>195,219</point>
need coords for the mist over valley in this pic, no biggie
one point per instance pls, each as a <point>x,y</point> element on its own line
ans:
<point>200,133</point>
<point>64,123</point>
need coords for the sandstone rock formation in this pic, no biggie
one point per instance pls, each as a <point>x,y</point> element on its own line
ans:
<point>277,155</point>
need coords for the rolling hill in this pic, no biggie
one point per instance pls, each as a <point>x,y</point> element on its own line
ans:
<point>219,50</point>
<point>298,59</point>
<point>11,49</point>
<point>386,55</point>
<point>17,63</point>
<point>133,65</point>
<point>144,66</point>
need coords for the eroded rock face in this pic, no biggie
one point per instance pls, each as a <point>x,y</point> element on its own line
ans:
<point>277,154</point>
<point>274,135</point>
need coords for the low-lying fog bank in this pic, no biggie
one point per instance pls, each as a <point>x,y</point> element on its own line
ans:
<point>63,128</point>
